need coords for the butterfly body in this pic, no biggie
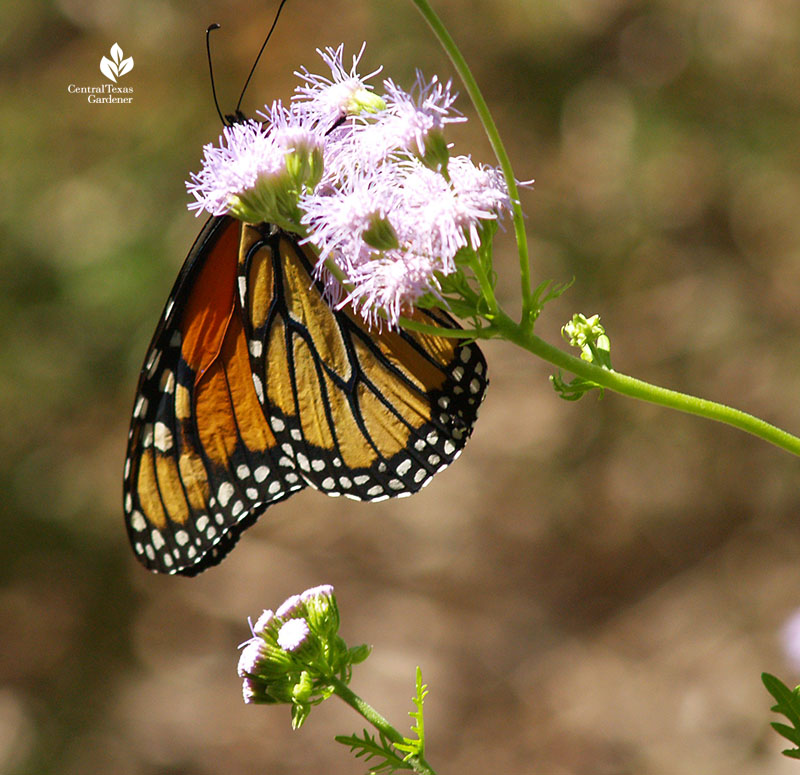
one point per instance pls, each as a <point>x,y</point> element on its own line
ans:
<point>254,388</point>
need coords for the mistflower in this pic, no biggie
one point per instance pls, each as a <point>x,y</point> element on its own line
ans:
<point>289,606</point>
<point>294,656</point>
<point>252,654</point>
<point>393,228</point>
<point>390,286</point>
<point>326,100</point>
<point>367,180</point>
<point>301,142</point>
<point>339,217</point>
<point>293,634</point>
<point>263,621</point>
<point>415,121</point>
<point>246,157</point>
<point>322,591</point>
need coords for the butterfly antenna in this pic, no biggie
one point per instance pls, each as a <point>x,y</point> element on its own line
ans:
<point>214,26</point>
<point>261,51</point>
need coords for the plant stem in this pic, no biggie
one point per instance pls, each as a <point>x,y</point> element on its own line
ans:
<point>417,763</point>
<point>471,85</point>
<point>636,388</point>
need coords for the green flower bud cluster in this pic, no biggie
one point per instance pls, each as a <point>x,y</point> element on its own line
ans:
<point>296,652</point>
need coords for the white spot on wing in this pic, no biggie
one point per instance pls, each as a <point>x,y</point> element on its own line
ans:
<point>225,493</point>
<point>138,522</point>
<point>162,437</point>
<point>167,384</point>
<point>259,388</point>
<point>141,407</point>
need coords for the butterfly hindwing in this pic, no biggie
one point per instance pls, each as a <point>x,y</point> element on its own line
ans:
<point>253,387</point>
<point>364,414</point>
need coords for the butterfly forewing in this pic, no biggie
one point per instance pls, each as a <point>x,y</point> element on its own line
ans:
<point>253,387</point>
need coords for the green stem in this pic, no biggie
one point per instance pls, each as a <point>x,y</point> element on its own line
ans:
<point>506,328</point>
<point>471,85</point>
<point>484,283</point>
<point>417,763</point>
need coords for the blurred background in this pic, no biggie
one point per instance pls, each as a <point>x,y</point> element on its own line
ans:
<point>593,587</point>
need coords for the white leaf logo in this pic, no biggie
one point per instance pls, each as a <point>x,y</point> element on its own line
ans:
<point>116,66</point>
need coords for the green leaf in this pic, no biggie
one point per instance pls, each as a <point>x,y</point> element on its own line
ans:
<point>544,292</point>
<point>378,749</point>
<point>575,389</point>
<point>411,746</point>
<point>788,704</point>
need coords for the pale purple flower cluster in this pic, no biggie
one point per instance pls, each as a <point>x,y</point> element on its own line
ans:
<point>246,153</point>
<point>367,180</point>
<point>299,620</point>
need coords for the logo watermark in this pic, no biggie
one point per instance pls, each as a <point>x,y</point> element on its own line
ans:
<point>112,68</point>
<point>117,66</point>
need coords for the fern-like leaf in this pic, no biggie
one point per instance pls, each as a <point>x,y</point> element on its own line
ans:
<point>369,747</point>
<point>410,746</point>
<point>788,704</point>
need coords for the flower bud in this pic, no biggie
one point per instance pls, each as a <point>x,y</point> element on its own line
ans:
<point>380,234</point>
<point>364,101</point>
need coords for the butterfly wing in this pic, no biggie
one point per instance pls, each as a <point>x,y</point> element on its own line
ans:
<point>197,431</point>
<point>362,414</point>
<point>253,388</point>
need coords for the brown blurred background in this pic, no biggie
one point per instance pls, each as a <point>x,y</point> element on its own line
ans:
<point>594,587</point>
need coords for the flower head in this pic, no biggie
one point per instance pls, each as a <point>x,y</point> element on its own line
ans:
<point>250,658</point>
<point>264,620</point>
<point>246,156</point>
<point>315,593</point>
<point>327,100</point>
<point>294,653</point>
<point>395,227</point>
<point>293,634</point>
<point>415,121</point>
<point>289,606</point>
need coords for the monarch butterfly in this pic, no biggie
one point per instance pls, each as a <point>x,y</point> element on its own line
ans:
<point>253,388</point>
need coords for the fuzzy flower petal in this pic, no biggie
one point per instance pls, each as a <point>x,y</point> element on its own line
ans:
<point>390,286</point>
<point>263,621</point>
<point>412,117</point>
<point>251,656</point>
<point>323,590</point>
<point>326,100</point>
<point>338,217</point>
<point>289,606</point>
<point>246,154</point>
<point>293,634</point>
